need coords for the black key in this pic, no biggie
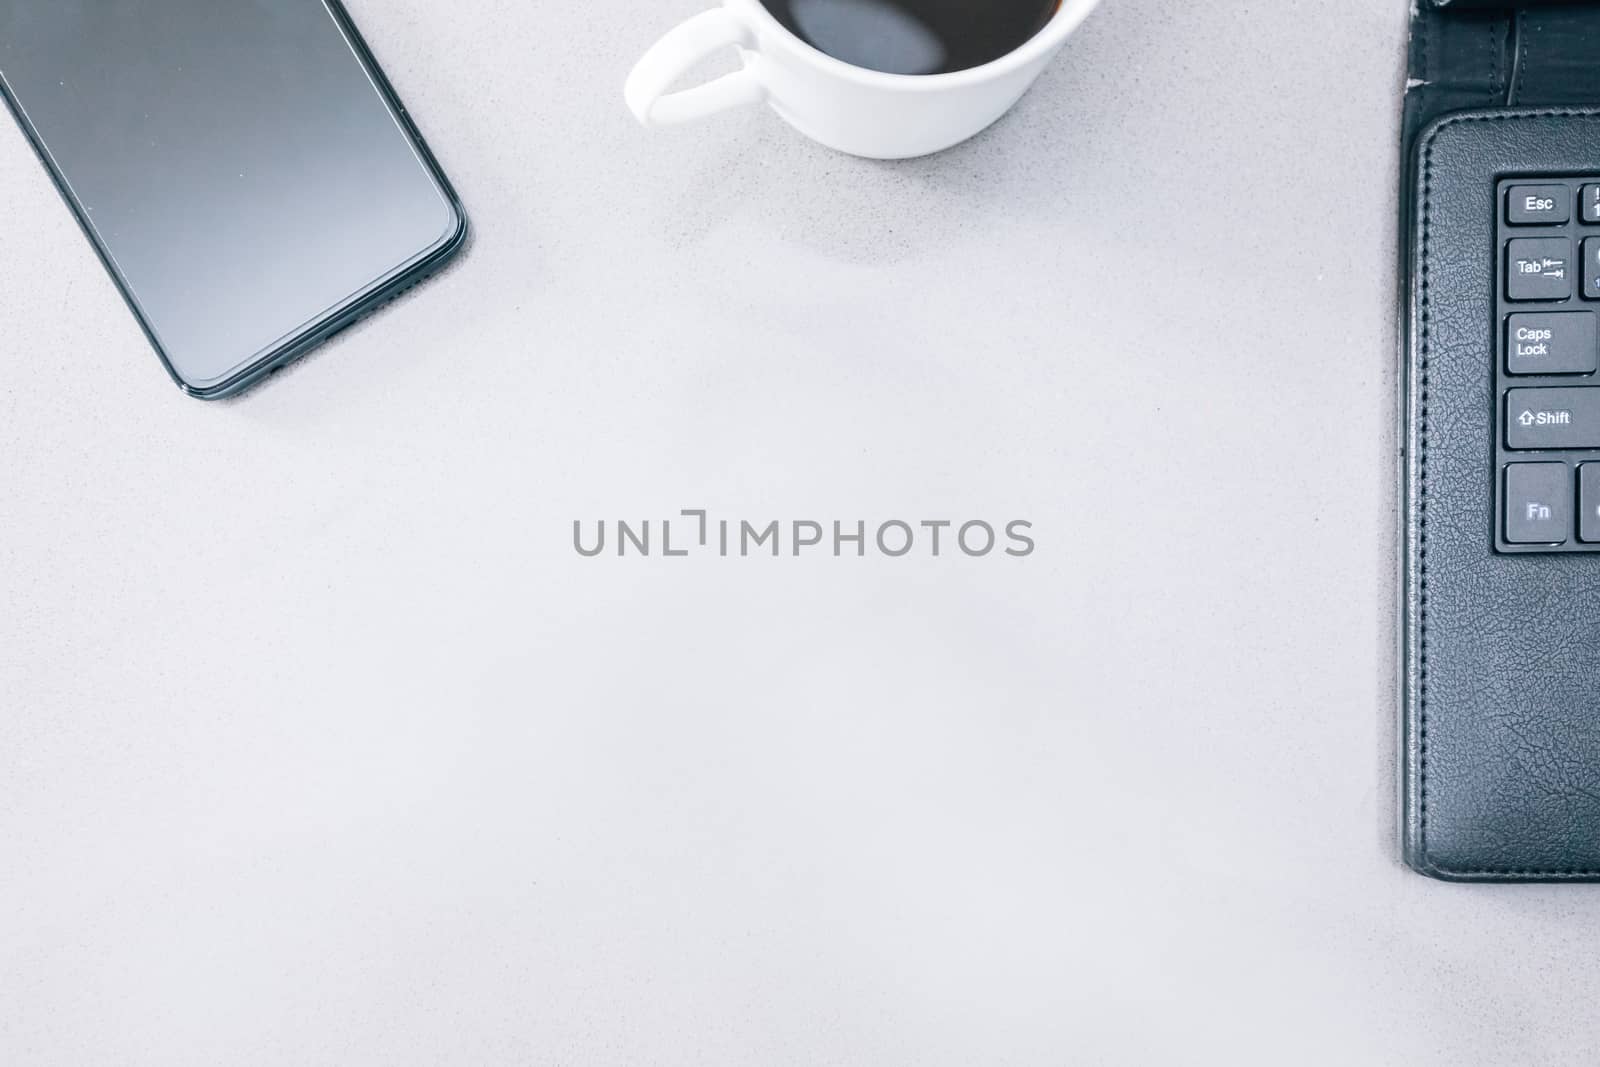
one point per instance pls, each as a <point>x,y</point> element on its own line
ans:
<point>1534,205</point>
<point>1552,342</point>
<point>1538,268</point>
<point>1589,204</point>
<point>1591,268</point>
<point>1538,503</point>
<point>1553,418</point>
<point>1589,502</point>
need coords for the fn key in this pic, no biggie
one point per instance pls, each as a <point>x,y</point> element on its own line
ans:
<point>1538,503</point>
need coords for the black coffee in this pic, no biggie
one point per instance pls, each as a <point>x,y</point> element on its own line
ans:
<point>914,36</point>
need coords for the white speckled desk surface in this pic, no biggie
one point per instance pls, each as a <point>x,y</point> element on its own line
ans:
<point>320,744</point>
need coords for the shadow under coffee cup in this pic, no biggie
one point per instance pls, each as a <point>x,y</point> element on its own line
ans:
<point>885,79</point>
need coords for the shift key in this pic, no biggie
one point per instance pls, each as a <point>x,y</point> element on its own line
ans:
<point>1553,418</point>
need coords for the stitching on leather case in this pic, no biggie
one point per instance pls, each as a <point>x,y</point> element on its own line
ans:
<point>1494,56</point>
<point>1522,67</point>
<point>1422,478</point>
<point>1423,47</point>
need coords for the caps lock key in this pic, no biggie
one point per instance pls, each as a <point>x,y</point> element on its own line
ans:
<point>1552,342</point>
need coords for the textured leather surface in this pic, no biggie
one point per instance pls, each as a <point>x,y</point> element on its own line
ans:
<point>1494,54</point>
<point>1462,5</point>
<point>1502,656</point>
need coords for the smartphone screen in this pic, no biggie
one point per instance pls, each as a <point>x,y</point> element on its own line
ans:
<point>241,166</point>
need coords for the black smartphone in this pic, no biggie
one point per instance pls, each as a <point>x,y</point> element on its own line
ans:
<point>242,167</point>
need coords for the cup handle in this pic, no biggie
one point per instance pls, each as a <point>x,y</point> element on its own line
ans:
<point>672,56</point>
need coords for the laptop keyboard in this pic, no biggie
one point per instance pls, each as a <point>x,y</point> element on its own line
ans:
<point>1547,299</point>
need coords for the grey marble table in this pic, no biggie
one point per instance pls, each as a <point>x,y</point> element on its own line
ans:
<point>321,744</point>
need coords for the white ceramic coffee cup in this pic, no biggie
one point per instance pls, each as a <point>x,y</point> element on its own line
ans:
<point>863,112</point>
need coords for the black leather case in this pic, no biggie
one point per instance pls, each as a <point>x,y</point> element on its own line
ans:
<point>1501,653</point>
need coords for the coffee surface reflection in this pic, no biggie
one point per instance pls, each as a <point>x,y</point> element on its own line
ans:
<point>914,36</point>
